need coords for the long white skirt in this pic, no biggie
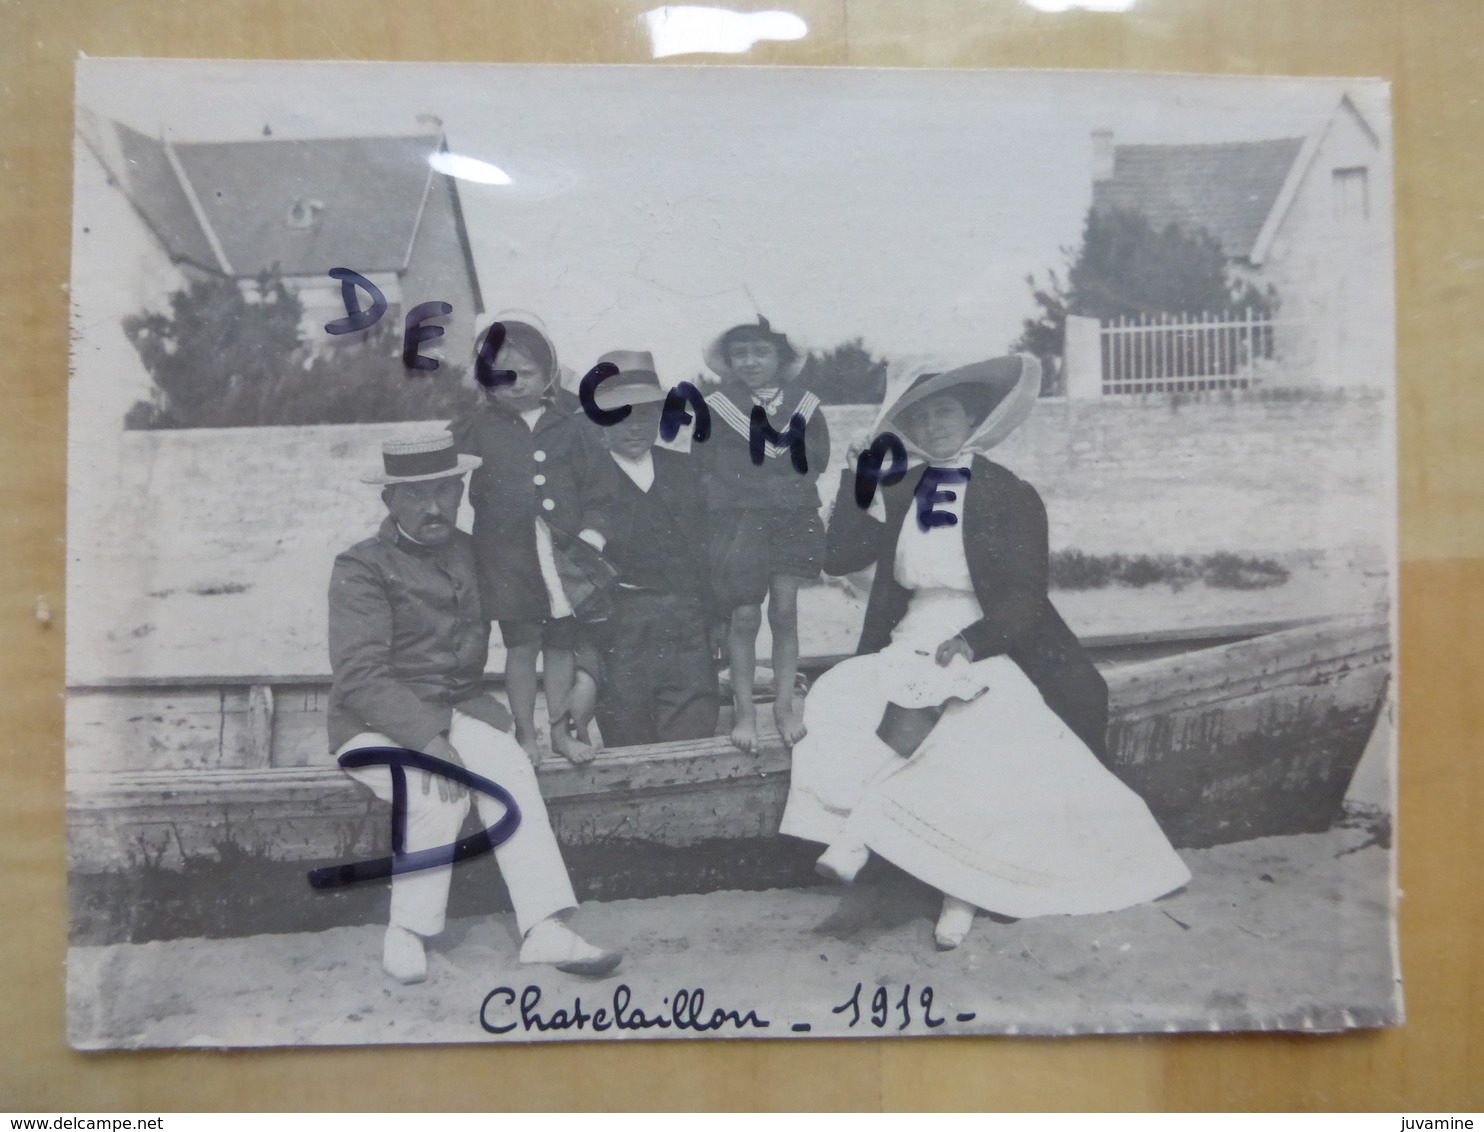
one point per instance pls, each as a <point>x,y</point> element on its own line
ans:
<point>1001,805</point>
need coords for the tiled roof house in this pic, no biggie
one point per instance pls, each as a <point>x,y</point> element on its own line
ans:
<point>1227,189</point>
<point>301,207</point>
<point>1304,214</point>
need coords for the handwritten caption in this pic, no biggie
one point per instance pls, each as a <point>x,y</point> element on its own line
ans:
<point>505,1010</point>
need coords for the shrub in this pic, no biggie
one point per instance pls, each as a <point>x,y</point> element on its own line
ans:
<point>1074,570</point>
<point>227,355</point>
<point>1141,571</point>
<point>1230,572</point>
<point>846,375</point>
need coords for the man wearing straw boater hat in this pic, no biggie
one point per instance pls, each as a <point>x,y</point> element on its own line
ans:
<point>408,644</point>
<point>659,682</point>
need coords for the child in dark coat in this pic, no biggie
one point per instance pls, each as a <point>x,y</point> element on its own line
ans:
<point>767,538</point>
<point>540,486</point>
<point>659,680</point>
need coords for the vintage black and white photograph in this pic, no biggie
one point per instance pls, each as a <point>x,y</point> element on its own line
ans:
<point>590,553</point>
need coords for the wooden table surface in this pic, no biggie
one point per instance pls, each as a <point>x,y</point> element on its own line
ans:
<point>1429,49</point>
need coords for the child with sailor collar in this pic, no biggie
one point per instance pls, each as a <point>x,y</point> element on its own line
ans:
<point>767,537</point>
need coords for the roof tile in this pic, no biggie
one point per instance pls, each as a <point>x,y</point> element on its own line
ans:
<point>309,205</point>
<point>152,186</point>
<point>1227,188</point>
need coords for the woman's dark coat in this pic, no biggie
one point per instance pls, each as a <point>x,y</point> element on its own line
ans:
<point>1006,545</point>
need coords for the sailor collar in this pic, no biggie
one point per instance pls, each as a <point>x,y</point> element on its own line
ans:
<point>733,403</point>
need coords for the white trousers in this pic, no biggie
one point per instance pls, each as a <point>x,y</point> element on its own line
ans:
<point>529,859</point>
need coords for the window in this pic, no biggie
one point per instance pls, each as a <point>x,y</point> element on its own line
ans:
<point>1351,194</point>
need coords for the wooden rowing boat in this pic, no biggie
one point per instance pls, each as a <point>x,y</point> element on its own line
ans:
<point>1228,734</point>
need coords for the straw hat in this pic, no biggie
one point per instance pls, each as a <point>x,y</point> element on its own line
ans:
<point>1000,392</point>
<point>790,360</point>
<point>416,458</point>
<point>636,382</point>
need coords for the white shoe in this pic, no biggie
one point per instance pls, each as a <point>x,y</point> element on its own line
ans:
<point>552,941</point>
<point>840,863</point>
<point>954,923</point>
<point>402,955</point>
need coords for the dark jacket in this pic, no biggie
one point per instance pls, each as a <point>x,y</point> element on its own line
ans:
<point>637,545</point>
<point>732,480</point>
<point>408,640</point>
<point>551,471</point>
<point>1006,545</point>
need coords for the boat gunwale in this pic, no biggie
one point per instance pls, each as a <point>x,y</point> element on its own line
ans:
<point>604,778</point>
<point>1198,637</point>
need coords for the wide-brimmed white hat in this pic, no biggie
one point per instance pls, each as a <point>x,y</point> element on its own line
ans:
<point>1003,389</point>
<point>412,459</point>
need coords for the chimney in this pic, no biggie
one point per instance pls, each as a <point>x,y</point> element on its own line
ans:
<point>1102,155</point>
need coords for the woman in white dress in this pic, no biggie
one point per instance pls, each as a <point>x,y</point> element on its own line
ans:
<point>964,743</point>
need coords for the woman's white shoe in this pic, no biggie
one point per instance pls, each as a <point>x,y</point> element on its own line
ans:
<point>552,941</point>
<point>954,923</point>
<point>403,957</point>
<point>840,863</point>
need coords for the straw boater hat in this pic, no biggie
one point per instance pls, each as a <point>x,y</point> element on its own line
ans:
<point>636,382</point>
<point>1000,393</point>
<point>416,458</point>
<point>715,352</point>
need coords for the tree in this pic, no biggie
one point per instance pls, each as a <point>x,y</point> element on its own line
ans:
<point>227,355</point>
<point>216,340</point>
<point>1043,335</point>
<point>1126,268</point>
<point>846,375</point>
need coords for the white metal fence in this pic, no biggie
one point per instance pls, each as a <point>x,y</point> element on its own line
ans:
<point>1165,353</point>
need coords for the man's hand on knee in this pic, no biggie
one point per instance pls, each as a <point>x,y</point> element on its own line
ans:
<point>448,789</point>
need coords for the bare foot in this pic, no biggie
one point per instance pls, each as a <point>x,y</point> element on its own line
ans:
<point>744,731</point>
<point>528,744</point>
<point>790,722</point>
<point>574,750</point>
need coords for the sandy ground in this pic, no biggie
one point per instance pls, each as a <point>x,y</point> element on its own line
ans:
<point>1276,933</point>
